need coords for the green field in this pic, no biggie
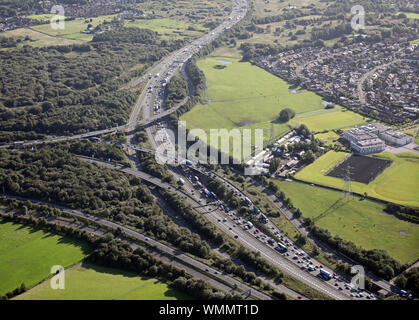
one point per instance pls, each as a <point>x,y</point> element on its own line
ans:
<point>89,282</point>
<point>328,137</point>
<point>410,15</point>
<point>45,35</point>
<point>336,118</point>
<point>359,221</point>
<point>27,254</point>
<point>45,17</point>
<point>247,97</point>
<point>399,183</point>
<point>168,28</point>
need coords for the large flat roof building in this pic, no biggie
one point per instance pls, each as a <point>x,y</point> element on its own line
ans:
<point>371,138</point>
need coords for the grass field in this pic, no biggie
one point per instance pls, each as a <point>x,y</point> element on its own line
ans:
<point>45,35</point>
<point>168,28</point>
<point>247,97</point>
<point>328,137</point>
<point>45,17</point>
<point>410,15</point>
<point>398,183</point>
<point>27,254</point>
<point>361,222</point>
<point>85,281</point>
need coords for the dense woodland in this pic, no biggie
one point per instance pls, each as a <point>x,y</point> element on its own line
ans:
<point>75,88</point>
<point>56,176</point>
<point>176,91</point>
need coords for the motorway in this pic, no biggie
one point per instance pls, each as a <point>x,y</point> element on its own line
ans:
<point>148,105</point>
<point>150,102</point>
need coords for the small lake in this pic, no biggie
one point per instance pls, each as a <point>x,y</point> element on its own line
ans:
<point>223,62</point>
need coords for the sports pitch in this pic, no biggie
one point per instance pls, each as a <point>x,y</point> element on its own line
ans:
<point>398,183</point>
<point>362,222</point>
<point>85,281</point>
<point>27,254</point>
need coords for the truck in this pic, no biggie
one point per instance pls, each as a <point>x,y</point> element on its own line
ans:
<point>325,275</point>
<point>206,193</point>
<point>281,248</point>
<point>18,143</point>
<point>247,201</point>
<point>263,218</point>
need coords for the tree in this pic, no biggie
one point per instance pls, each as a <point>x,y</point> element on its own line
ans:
<point>274,165</point>
<point>286,115</point>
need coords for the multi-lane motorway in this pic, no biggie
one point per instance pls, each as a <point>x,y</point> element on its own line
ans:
<point>151,104</point>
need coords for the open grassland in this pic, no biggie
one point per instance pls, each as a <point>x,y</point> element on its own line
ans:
<point>410,15</point>
<point>398,183</point>
<point>85,281</point>
<point>362,222</point>
<point>45,17</point>
<point>72,29</point>
<point>247,97</point>
<point>168,28</point>
<point>44,35</point>
<point>328,137</point>
<point>336,118</point>
<point>27,254</point>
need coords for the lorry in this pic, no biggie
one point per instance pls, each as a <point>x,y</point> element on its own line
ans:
<point>247,201</point>
<point>263,218</point>
<point>325,275</point>
<point>281,248</point>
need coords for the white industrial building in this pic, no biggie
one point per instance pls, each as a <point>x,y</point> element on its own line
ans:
<point>397,138</point>
<point>371,138</point>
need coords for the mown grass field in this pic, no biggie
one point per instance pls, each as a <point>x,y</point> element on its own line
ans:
<point>45,17</point>
<point>168,28</point>
<point>398,183</point>
<point>44,35</point>
<point>362,222</point>
<point>328,137</point>
<point>27,254</point>
<point>85,281</point>
<point>247,97</point>
<point>410,15</point>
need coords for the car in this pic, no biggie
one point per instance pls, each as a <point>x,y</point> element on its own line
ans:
<point>216,272</point>
<point>230,228</point>
<point>236,236</point>
<point>206,269</point>
<point>224,220</point>
<point>299,297</point>
<point>218,220</point>
<point>146,239</point>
